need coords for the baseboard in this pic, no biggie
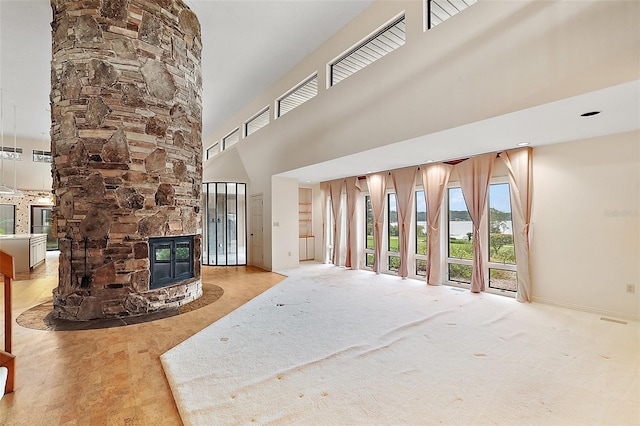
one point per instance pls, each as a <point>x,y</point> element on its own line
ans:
<point>586,309</point>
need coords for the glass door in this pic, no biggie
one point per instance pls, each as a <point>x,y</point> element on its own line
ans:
<point>42,223</point>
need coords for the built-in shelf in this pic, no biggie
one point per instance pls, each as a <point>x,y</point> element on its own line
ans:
<point>307,241</point>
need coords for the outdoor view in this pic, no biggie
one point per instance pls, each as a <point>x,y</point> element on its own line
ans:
<point>393,235</point>
<point>501,253</point>
<point>369,236</point>
<point>421,232</point>
<point>501,248</point>
<point>7,219</point>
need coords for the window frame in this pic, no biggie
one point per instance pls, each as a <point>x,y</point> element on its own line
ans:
<point>362,43</point>
<point>227,136</point>
<point>278,112</point>
<point>386,229</point>
<point>419,256</point>
<point>512,267</point>
<point>245,125</point>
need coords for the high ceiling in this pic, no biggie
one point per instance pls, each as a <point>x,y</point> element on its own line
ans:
<point>247,45</point>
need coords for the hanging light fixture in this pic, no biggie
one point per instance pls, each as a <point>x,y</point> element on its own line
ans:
<point>16,191</point>
<point>48,199</point>
<point>4,190</point>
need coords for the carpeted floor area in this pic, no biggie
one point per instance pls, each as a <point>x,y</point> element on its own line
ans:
<point>331,346</point>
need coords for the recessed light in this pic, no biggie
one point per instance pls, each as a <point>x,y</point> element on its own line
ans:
<point>590,113</point>
<point>523,144</point>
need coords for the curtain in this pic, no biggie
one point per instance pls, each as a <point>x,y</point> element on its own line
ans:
<point>519,164</point>
<point>404,182</point>
<point>474,175</point>
<point>353,191</point>
<point>335,188</point>
<point>435,178</point>
<point>324,194</point>
<point>377,183</point>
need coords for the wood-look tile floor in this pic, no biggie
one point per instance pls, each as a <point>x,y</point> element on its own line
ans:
<point>108,376</point>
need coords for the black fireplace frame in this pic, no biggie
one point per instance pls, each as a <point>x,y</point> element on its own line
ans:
<point>177,267</point>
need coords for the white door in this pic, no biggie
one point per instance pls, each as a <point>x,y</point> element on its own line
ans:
<point>256,231</point>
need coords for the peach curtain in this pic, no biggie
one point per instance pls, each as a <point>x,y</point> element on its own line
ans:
<point>404,182</point>
<point>324,194</point>
<point>377,183</point>
<point>474,175</point>
<point>335,188</point>
<point>435,178</point>
<point>353,192</point>
<point>520,167</point>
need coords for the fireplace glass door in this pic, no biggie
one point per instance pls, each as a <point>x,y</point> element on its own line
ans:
<point>171,260</point>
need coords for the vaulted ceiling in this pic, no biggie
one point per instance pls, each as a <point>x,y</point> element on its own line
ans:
<point>247,45</point>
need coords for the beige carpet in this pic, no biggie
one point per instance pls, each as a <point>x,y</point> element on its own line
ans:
<point>329,346</point>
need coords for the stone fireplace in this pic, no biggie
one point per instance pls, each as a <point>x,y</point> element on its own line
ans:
<point>126,113</point>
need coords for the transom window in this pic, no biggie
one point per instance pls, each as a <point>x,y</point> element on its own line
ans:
<point>231,139</point>
<point>41,156</point>
<point>438,11</point>
<point>11,153</point>
<point>297,96</point>
<point>257,122</point>
<point>373,48</point>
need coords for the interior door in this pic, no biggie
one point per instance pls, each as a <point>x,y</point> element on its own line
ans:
<point>257,254</point>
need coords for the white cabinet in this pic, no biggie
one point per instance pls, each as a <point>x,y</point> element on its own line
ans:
<point>27,250</point>
<point>37,249</point>
<point>307,248</point>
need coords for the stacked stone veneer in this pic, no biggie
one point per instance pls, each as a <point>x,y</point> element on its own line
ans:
<point>126,114</point>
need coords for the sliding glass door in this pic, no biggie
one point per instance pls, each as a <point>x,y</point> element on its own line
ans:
<point>225,236</point>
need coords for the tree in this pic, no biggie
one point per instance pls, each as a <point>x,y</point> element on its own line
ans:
<point>498,240</point>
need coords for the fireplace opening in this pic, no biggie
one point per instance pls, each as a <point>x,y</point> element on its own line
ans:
<point>171,260</point>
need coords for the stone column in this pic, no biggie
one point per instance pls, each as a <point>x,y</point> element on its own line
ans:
<point>126,122</point>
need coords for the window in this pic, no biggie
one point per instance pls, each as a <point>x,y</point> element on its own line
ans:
<point>10,153</point>
<point>257,122</point>
<point>230,139</point>
<point>298,95</point>
<point>225,239</point>
<point>171,260</point>
<point>421,230</point>
<point>502,255</point>
<point>460,245</point>
<point>384,41</point>
<point>369,243</point>
<point>393,233</point>
<point>438,11</point>
<point>42,156</point>
<point>7,219</point>
<point>212,150</point>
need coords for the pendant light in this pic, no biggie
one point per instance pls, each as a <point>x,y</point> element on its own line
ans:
<point>4,190</point>
<point>16,191</point>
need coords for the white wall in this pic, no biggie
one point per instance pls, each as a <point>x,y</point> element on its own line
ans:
<point>28,175</point>
<point>586,224</point>
<point>284,224</point>
<point>492,59</point>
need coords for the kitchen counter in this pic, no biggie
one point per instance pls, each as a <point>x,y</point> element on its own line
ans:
<point>27,250</point>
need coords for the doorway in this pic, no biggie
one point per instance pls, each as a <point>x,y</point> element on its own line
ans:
<point>225,242</point>
<point>42,223</point>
